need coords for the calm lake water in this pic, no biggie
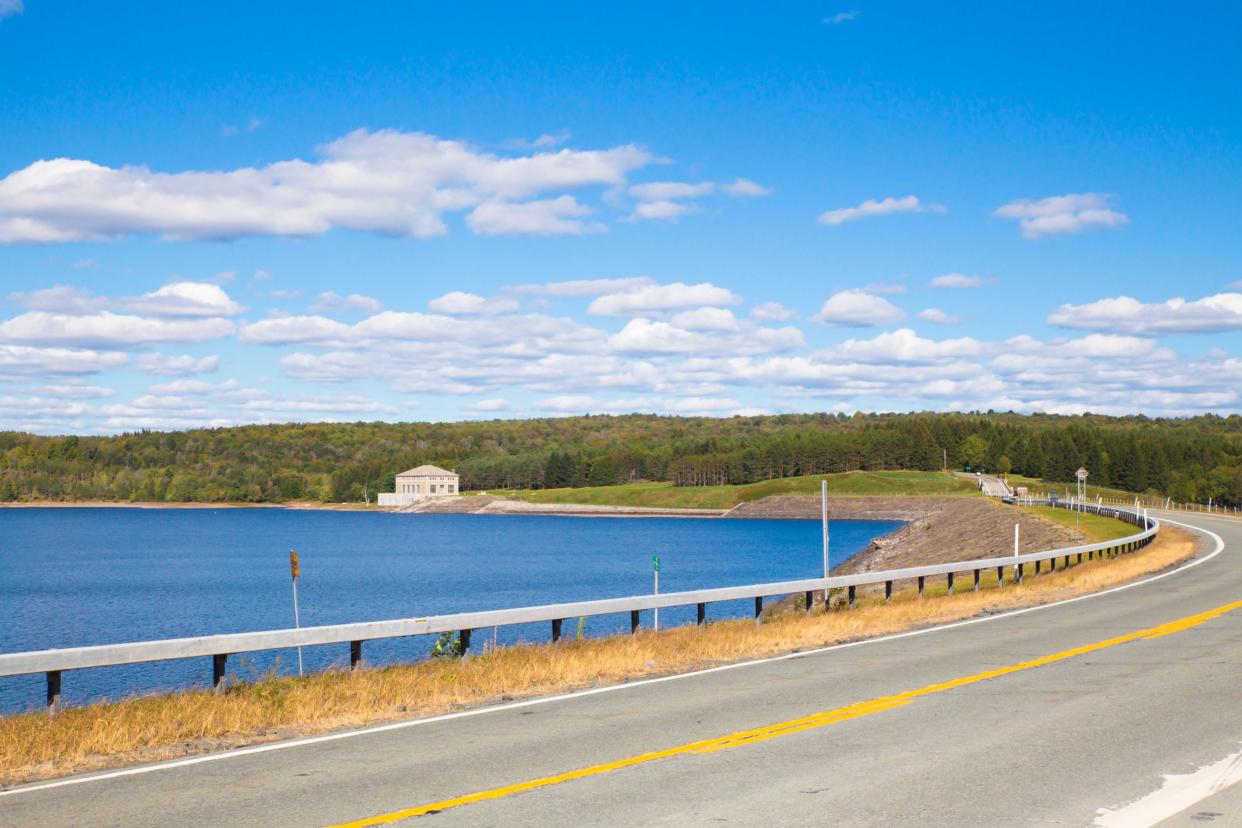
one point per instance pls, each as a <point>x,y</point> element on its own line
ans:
<point>73,577</point>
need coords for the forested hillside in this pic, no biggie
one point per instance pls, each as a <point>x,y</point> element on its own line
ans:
<point>1189,459</point>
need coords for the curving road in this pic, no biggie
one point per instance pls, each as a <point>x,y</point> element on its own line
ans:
<point>1041,717</point>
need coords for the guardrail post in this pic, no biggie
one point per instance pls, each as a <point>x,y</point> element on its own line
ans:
<point>218,663</point>
<point>851,595</point>
<point>464,638</point>
<point>1037,567</point>
<point>556,630</point>
<point>888,592</point>
<point>976,580</point>
<point>702,613</point>
<point>758,606</point>
<point>634,619</point>
<point>53,692</point>
<point>355,655</point>
<point>1020,573</point>
<point>810,600</point>
<point>950,583</point>
<point>1000,576</point>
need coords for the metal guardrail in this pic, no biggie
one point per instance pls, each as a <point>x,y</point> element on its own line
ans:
<point>219,647</point>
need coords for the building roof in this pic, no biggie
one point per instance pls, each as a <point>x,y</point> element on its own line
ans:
<point>427,471</point>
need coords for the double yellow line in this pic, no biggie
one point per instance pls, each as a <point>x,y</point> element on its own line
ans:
<point>815,720</point>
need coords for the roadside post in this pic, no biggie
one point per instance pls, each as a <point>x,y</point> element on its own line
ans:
<point>1016,577</point>
<point>823,510</point>
<point>1081,474</point>
<point>295,570</point>
<point>655,571</point>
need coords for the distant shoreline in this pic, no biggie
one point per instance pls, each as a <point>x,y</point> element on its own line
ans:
<point>309,506</point>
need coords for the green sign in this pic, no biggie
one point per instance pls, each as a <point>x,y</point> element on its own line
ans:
<point>655,562</point>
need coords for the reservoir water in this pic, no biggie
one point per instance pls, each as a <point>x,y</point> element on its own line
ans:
<point>76,576</point>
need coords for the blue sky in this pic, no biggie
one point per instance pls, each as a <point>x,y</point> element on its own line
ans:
<point>308,212</point>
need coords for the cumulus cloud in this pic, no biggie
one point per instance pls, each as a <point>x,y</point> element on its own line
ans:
<point>24,362</point>
<point>961,280</point>
<point>771,312</point>
<point>586,288</point>
<point>1123,314</point>
<point>181,299</point>
<point>109,330</point>
<point>661,210</point>
<point>745,188</point>
<point>670,200</point>
<point>655,299</point>
<point>546,217</point>
<point>390,182</point>
<point>178,365</point>
<point>882,207</point>
<point>858,309</point>
<point>460,303</point>
<point>939,317</point>
<point>841,17</point>
<point>1062,215</point>
<point>330,301</point>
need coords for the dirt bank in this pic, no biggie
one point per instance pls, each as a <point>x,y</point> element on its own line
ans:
<point>938,529</point>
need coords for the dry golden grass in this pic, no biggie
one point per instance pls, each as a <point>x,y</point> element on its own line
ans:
<point>34,746</point>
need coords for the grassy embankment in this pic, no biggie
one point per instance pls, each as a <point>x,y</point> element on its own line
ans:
<point>1041,487</point>
<point>668,496</point>
<point>34,746</point>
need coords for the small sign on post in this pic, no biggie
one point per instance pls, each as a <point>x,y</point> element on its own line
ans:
<point>295,570</point>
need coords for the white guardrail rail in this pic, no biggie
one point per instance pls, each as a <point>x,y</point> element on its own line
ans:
<point>220,647</point>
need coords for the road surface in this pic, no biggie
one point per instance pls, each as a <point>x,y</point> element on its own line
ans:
<point>1046,717</point>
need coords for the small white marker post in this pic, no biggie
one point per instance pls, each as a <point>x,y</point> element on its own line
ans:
<point>823,511</point>
<point>1015,553</point>
<point>295,570</point>
<point>655,570</point>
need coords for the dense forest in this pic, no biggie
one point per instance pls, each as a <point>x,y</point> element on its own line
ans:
<point>1188,459</point>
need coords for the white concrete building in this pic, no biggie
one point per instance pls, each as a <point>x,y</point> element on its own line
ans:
<point>419,483</point>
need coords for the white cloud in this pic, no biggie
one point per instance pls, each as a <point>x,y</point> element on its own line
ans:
<point>841,17</point>
<point>10,7</point>
<point>494,404</point>
<point>661,211</point>
<point>332,301</point>
<point>660,298</point>
<point>961,280</point>
<point>586,288</point>
<point>184,299</point>
<point>181,299</point>
<point>745,188</point>
<point>668,190</point>
<point>903,345</point>
<point>459,303</point>
<point>21,361</point>
<point>108,329</point>
<point>1061,215</point>
<point>387,182</point>
<point>706,319</point>
<point>1123,314</point>
<point>771,312</point>
<point>178,365</point>
<point>858,309</point>
<point>547,217</point>
<point>646,336</point>
<point>882,207</point>
<point>939,317</point>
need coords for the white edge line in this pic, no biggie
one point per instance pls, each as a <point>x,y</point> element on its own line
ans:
<point>1177,793</point>
<point>479,711</point>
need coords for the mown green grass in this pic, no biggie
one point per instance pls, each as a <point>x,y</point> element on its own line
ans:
<point>1093,527</point>
<point>668,496</point>
<point>1038,486</point>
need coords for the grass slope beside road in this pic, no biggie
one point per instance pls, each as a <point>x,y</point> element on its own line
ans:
<point>668,496</point>
<point>34,746</point>
<point>1092,527</point>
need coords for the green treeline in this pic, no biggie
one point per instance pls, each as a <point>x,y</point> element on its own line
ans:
<point>1188,459</point>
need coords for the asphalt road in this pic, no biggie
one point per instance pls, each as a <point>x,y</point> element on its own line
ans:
<point>1038,718</point>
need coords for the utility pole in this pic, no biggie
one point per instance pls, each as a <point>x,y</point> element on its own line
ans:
<point>295,570</point>
<point>823,510</point>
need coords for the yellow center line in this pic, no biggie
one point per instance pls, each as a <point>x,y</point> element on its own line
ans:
<point>815,720</point>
